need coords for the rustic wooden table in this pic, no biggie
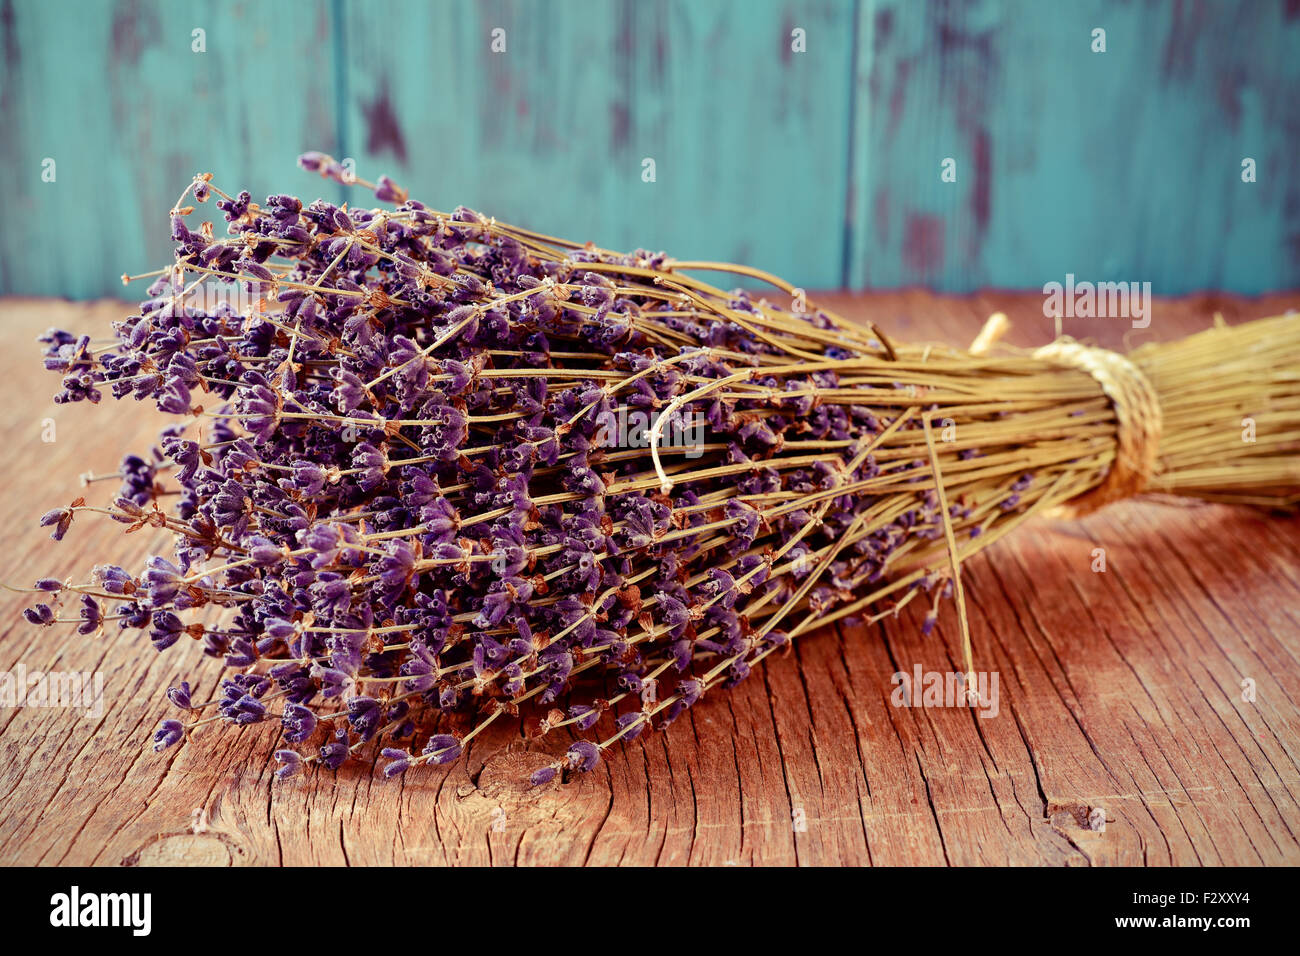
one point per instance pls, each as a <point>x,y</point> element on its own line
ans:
<point>1120,691</point>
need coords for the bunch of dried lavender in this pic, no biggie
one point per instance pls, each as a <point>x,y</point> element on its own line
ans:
<point>404,501</point>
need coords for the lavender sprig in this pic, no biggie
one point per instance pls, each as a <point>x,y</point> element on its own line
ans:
<point>402,470</point>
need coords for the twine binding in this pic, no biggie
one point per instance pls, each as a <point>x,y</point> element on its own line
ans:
<point>1137,414</point>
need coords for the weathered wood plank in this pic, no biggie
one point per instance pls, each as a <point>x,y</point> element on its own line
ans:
<point>1116,165</point>
<point>821,165</point>
<point>117,97</point>
<point>552,125</point>
<point>1119,690</point>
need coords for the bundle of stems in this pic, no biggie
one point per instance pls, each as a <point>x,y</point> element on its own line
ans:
<point>430,468</point>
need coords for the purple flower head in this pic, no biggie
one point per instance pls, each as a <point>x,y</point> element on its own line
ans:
<point>333,682</point>
<point>112,579</point>
<point>42,615</point>
<point>180,695</point>
<point>91,616</point>
<point>162,580</point>
<point>168,734</point>
<point>299,723</point>
<point>442,748</point>
<point>291,763</point>
<point>690,691</point>
<point>335,753</point>
<point>583,755</point>
<point>542,776</point>
<point>388,191</point>
<point>583,716</point>
<point>60,519</point>
<point>307,478</point>
<point>400,760</point>
<point>313,160</point>
<point>167,630</point>
<point>631,725</point>
<point>365,714</point>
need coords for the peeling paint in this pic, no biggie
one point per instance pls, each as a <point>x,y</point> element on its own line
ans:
<point>923,245</point>
<point>383,131</point>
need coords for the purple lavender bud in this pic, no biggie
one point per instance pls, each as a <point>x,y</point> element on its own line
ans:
<point>313,161</point>
<point>442,748</point>
<point>331,594</point>
<point>292,764</point>
<point>49,584</point>
<point>180,695</point>
<point>422,675</point>
<point>630,681</point>
<point>350,391</point>
<point>61,519</point>
<point>242,653</point>
<point>365,715</point>
<point>113,579</point>
<point>162,580</point>
<point>542,776</point>
<point>133,615</point>
<point>168,734</point>
<point>634,720</point>
<point>279,629</point>
<point>264,552</point>
<point>401,760</point>
<point>91,616</point>
<point>776,639</point>
<point>690,691</point>
<point>396,568</point>
<point>583,755</point>
<point>388,191</point>
<point>333,681</point>
<point>283,206</point>
<point>324,539</point>
<point>308,478</point>
<point>299,723</point>
<point>42,615</point>
<point>584,717</point>
<point>174,398</point>
<point>674,614</point>
<point>167,630</point>
<point>335,753</point>
<point>245,710</point>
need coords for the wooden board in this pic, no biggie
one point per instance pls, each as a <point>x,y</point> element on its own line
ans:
<point>823,165</point>
<point>1119,690</point>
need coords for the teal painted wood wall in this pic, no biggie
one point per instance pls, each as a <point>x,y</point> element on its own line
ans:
<point>821,165</point>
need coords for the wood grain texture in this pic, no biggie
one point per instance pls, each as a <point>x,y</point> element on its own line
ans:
<point>821,165</point>
<point>1119,690</point>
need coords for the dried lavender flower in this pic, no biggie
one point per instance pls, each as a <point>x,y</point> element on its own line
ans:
<point>441,467</point>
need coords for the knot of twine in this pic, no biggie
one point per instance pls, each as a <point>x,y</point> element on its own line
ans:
<point>1137,414</point>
